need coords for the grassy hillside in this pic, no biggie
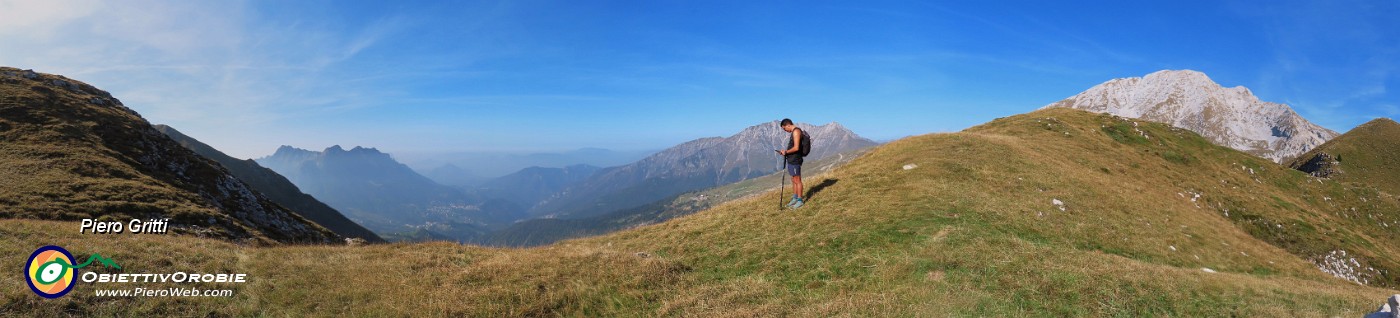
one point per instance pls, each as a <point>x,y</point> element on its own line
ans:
<point>70,151</point>
<point>1144,210</point>
<point>1369,154</point>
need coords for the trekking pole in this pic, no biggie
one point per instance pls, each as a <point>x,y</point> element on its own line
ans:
<point>781,183</point>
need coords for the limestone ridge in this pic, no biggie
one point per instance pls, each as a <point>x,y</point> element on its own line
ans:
<point>1231,117</point>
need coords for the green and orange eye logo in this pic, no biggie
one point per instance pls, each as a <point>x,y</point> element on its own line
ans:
<point>50,271</point>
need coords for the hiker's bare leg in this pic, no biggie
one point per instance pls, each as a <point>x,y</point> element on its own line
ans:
<point>797,186</point>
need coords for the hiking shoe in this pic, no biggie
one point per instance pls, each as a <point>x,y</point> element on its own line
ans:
<point>796,204</point>
<point>792,201</point>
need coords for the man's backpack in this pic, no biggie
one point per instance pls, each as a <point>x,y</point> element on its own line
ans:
<point>805,146</point>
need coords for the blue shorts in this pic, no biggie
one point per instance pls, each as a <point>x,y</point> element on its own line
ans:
<point>794,170</point>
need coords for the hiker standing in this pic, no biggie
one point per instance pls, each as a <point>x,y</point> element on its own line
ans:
<point>798,146</point>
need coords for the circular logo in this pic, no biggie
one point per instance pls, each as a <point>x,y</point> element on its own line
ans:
<point>50,271</point>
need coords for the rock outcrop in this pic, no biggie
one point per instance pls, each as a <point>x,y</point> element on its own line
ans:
<point>1322,165</point>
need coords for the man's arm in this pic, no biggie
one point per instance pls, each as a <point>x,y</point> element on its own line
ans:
<point>796,141</point>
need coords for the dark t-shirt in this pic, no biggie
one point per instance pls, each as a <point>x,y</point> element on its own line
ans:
<point>796,157</point>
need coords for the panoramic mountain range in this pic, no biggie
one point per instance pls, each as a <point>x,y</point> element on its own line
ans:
<point>1231,117</point>
<point>469,169</point>
<point>542,231</point>
<point>697,164</point>
<point>378,193</point>
<point>1042,210</point>
<point>1058,211</point>
<point>72,151</point>
<point>276,187</point>
<point>386,196</point>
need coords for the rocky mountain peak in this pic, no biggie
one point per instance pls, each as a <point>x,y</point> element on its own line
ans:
<point>367,150</point>
<point>378,192</point>
<point>335,151</point>
<point>1231,117</point>
<point>286,150</point>
<point>1177,75</point>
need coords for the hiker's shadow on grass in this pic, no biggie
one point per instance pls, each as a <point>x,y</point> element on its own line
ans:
<point>819,187</point>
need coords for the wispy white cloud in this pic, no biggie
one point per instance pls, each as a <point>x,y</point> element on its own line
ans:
<point>42,18</point>
<point>1332,61</point>
<point>213,69</point>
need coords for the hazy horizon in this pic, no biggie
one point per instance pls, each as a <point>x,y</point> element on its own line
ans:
<point>403,77</point>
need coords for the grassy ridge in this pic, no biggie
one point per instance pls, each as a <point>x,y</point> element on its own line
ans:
<point>1370,154</point>
<point>972,231</point>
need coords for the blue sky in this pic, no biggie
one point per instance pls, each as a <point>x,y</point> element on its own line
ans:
<point>454,76</point>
